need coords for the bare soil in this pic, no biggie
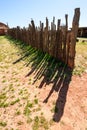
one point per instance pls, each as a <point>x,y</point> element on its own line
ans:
<point>29,101</point>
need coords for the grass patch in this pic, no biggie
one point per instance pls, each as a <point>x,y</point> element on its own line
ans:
<point>27,109</point>
<point>10,86</point>
<point>15,101</point>
<point>3,104</point>
<point>13,96</point>
<point>2,96</point>
<point>3,81</point>
<point>78,70</point>
<point>36,123</point>
<point>29,120</point>
<point>18,112</point>
<point>25,97</point>
<point>36,101</point>
<point>40,122</point>
<point>3,124</point>
<point>2,57</point>
<point>81,57</point>
<point>21,92</point>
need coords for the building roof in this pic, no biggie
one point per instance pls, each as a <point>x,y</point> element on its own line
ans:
<point>3,26</point>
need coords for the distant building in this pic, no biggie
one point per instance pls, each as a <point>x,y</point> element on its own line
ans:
<point>3,29</point>
<point>82,32</point>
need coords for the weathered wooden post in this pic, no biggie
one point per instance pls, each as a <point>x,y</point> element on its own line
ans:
<point>52,46</point>
<point>65,40</point>
<point>74,31</point>
<point>41,35</point>
<point>33,34</point>
<point>58,39</point>
<point>46,45</point>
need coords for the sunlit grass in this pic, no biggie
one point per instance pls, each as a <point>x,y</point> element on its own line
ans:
<point>3,124</point>
<point>15,101</point>
<point>81,57</point>
<point>40,122</point>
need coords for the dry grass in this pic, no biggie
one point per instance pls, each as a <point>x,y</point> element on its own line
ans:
<point>17,97</point>
<point>81,57</point>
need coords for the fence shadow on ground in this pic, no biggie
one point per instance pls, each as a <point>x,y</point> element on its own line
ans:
<point>52,71</point>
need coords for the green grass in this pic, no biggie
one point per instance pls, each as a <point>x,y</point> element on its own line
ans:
<point>11,85</point>
<point>81,57</point>
<point>2,96</point>
<point>21,92</point>
<point>1,57</point>
<point>15,101</point>
<point>40,122</point>
<point>25,97</point>
<point>36,123</point>
<point>36,101</point>
<point>3,81</point>
<point>27,109</point>
<point>29,120</point>
<point>3,104</point>
<point>18,112</point>
<point>3,124</point>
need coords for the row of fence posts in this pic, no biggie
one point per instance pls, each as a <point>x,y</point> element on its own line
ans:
<point>57,41</point>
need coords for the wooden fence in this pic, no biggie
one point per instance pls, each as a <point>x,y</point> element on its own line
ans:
<point>55,40</point>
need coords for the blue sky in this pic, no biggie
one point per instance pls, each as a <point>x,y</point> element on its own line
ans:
<point>20,12</point>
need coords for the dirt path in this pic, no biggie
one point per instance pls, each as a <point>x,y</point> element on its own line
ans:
<point>29,102</point>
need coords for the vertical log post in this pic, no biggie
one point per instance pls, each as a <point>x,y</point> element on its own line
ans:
<point>74,31</point>
<point>58,39</point>
<point>65,39</point>
<point>33,34</point>
<point>41,36</point>
<point>46,35</point>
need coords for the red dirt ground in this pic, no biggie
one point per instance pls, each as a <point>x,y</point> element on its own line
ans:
<point>73,112</point>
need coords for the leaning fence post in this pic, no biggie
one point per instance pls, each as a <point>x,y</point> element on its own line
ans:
<point>74,31</point>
